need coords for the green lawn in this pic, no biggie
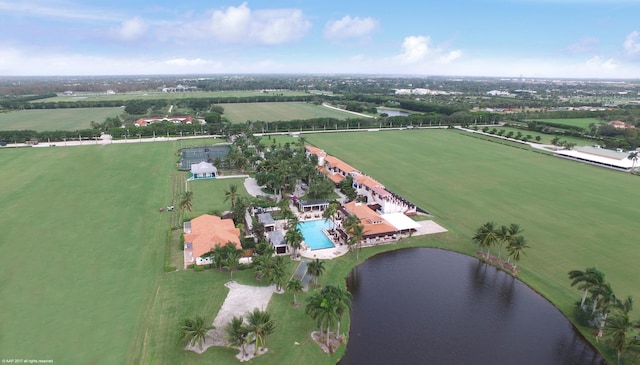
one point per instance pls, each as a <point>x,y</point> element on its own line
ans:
<point>578,122</point>
<point>574,215</point>
<point>269,112</point>
<point>82,246</point>
<point>56,119</point>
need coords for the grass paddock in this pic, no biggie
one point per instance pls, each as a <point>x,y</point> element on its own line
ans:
<point>42,120</point>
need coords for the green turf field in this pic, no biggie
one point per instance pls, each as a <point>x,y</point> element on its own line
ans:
<point>574,215</point>
<point>269,112</point>
<point>82,246</point>
<point>578,122</point>
<point>56,119</point>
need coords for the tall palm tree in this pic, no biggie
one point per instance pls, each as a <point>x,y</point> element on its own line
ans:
<point>231,194</point>
<point>261,325</point>
<point>321,309</point>
<point>486,236</point>
<point>316,268</point>
<point>585,280</point>
<point>516,248</point>
<point>185,200</point>
<point>295,286</point>
<point>278,272</point>
<point>237,334</point>
<point>633,156</point>
<point>356,234</point>
<point>231,260</point>
<point>618,330</point>
<point>341,300</point>
<point>330,212</point>
<point>598,292</point>
<point>505,234</point>
<point>193,331</point>
<point>294,238</point>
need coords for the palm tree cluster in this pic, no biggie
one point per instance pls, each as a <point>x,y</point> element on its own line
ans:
<point>284,166</point>
<point>226,257</point>
<point>294,238</point>
<point>271,268</point>
<point>608,314</point>
<point>259,325</point>
<point>489,234</point>
<point>326,307</point>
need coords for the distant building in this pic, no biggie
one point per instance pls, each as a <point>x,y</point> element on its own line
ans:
<point>620,124</point>
<point>143,122</point>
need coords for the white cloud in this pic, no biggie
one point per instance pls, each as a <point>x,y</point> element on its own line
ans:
<point>349,27</point>
<point>184,62</point>
<point>242,25</point>
<point>418,50</point>
<point>631,44</point>
<point>584,45</point>
<point>130,29</point>
<point>451,56</point>
<point>597,64</point>
<point>414,49</point>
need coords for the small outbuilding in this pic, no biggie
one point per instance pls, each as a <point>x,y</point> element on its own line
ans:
<point>203,170</point>
<point>267,220</point>
<point>276,238</point>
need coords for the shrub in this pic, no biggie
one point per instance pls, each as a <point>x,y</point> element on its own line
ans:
<point>206,266</point>
<point>198,268</point>
<point>191,266</point>
<point>170,268</point>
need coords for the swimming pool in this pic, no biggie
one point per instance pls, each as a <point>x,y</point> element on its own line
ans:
<point>313,235</point>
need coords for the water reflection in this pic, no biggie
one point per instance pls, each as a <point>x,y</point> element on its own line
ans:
<point>432,306</point>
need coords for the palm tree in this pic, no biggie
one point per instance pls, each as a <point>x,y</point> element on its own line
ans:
<point>237,334</point>
<point>341,300</point>
<point>585,280</point>
<point>295,285</point>
<point>323,311</point>
<point>231,194</point>
<point>598,292</point>
<point>185,202</point>
<point>294,238</point>
<point>633,156</point>
<point>261,325</point>
<point>626,305</point>
<point>231,261</point>
<point>193,331</point>
<point>505,234</point>
<point>316,268</point>
<point>277,274</point>
<point>357,232</point>
<point>517,246</point>
<point>330,212</point>
<point>618,330</point>
<point>486,236</point>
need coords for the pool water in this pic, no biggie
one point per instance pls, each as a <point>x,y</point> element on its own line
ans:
<point>313,235</point>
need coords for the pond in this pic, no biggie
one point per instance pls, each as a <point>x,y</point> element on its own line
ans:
<point>433,306</point>
<point>392,112</point>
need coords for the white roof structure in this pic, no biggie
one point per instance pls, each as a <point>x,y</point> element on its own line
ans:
<point>598,156</point>
<point>203,168</point>
<point>400,221</point>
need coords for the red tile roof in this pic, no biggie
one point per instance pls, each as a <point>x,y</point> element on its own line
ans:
<point>374,224</point>
<point>208,230</point>
<point>337,163</point>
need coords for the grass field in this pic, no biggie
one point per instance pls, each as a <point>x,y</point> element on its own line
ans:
<point>574,215</point>
<point>545,138</point>
<point>82,247</point>
<point>92,289</point>
<point>269,112</point>
<point>173,96</point>
<point>578,122</point>
<point>56,119</point>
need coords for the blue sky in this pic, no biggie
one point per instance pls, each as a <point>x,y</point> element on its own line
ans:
<point>532,38</point>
